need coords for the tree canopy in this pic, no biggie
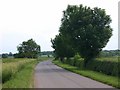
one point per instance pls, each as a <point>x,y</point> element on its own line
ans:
<point>28,49</point>
<point>62,48</point>
<point>87,30</point>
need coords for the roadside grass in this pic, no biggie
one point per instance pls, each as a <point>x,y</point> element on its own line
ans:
<point>11,68</point>
<point>23,78</point>
<point>9,60</point>
<point>107,79</point>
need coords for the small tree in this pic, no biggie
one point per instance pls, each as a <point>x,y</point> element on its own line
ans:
<point>4,55</point>
<point>10,54</point>
<point>88,29</point>
<point>62,49</point>
<point>28,49</point>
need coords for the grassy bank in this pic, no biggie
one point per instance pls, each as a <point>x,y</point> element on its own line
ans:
<point>107,79</point>
<point>11,66</point>
<point>23,78</point>
<point>18,73</point>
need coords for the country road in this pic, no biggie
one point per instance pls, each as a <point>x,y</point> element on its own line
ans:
<point>48,75</point>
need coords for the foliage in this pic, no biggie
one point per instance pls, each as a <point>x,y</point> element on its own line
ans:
<point>86,30</point>
<point>23,78</point>
<point>62,48</point>
<point>106,67</point>
<point>47,53</point>
<point>109,53</point>
<point>28,49</point>
<point>107,79</point>
<point>12,67</point>
<point>10,54</point>
<point>89,29</point>
<point>4,55</point>
<point>109,66</point>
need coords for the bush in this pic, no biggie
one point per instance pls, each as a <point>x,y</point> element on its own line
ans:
<point>108,67</point>
<point>65,60</point>
<point>72,61</point>
<point>5,55</point>
<point>80,63</point>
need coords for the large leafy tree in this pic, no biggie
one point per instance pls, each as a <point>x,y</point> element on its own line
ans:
<point>28,49</point>
<point>62,48</point>
<point>88,29</point>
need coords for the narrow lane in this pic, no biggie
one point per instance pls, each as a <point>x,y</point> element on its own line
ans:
<point>48,75</point>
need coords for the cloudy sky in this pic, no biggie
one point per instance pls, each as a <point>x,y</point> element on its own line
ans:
<point>21,20</point>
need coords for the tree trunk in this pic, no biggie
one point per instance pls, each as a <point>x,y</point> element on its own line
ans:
<point>61,59</point>
<point>86,62</point>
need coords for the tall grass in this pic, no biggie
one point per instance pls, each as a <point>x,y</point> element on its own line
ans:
<point>23,78</point>
<point>9,69</point>
<point>9,60</point>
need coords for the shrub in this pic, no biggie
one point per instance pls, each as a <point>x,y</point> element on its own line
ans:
<point>72,61</point>
<point>106,67</point>
<point>5,55</point>
<point>109,67</point>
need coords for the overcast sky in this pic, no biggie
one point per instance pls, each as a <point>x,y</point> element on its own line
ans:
<point>21,20</point>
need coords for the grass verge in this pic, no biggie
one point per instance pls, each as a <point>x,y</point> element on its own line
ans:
<point>23,78</point>
<point>110,80</point>
<point>11,68</point>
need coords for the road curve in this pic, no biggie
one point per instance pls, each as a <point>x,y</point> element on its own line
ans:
<point>48,75</point>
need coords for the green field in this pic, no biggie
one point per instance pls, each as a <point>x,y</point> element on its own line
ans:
<point>113,59</point>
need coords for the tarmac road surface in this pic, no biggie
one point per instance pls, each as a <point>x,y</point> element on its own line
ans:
<point>48,75</point>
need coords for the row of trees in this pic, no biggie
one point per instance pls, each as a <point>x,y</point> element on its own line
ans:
<point>83,30</point>
<point>6,55</point>
<point>109,53</point>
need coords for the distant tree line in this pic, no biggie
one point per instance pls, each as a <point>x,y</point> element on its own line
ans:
<point>104,53</point>
<point>28,49</point>
<point>109,53</point>
<point>83,30</point>
<point>6,55</point>
<point>48,53</point>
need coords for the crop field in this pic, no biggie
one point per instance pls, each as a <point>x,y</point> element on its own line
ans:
<point>113,59</point>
